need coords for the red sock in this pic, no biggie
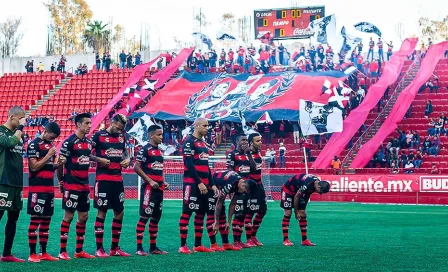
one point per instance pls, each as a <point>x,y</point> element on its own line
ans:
<point>183,227</point>
<point>222,229</point>
<point>80,233</point>
<point>65,228</point>
<point>99,232</point>
<point>209,225</point>
<point>198,228</point>
<point>139,231</point>
<point>32,233</point>
<point>257,222</point>
<point>153,230</point>
<point>44,231</point>
<point>303,224</point>
<point>248,225</point>
<point>237,228</point>
<point>116,232</point>
<point>285,226</point>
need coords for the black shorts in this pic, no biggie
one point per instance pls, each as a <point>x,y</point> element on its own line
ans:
<point>76,201</point>
<point>11,198</point>
<point>257,200</point>
<point>151,201</point>
<point>241,203</point>
<point>40,204</point>
<point>193,201</point>
<point>109,195</point>
<point>286,201</point>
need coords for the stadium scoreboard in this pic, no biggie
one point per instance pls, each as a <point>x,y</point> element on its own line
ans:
<point>290,23</point>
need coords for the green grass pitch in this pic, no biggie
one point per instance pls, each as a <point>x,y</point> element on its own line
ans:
<point>349,237</point>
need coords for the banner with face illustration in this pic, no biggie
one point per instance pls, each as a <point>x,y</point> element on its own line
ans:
<point>221,96</point>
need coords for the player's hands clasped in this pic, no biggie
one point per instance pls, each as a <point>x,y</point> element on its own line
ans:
<point>153,184</point>
<point>102,162</point>
<point>202,188</point>
<point>51,151</point>
<point>125,163</point>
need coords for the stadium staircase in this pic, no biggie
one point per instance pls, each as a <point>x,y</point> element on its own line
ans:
<point>375,124</point>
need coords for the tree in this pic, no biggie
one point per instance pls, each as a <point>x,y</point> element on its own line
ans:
<point>10,37</point>
<point>201,21</point>
<point>437,30</point>
<point>243,29</point>
<point>69,20</point>
<point>97,36</point>
<point>228,21</point>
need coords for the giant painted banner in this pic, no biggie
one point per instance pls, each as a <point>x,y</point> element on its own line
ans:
<point>221,96</point>
<point>387,183</point>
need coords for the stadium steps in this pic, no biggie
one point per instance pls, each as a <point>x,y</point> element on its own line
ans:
<point>224,147</point>
<point>376,124</point>
<point>47,96</point>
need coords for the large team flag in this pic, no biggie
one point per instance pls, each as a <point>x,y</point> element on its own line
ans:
<point>221,96</point>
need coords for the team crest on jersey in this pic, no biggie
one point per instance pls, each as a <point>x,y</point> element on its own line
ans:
<point>220,99</point>
<point>121,139</point>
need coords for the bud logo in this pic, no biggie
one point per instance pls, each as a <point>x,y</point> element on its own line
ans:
<point>83,160</point>
<point>306,31</point>
<point>112,152</point>
<point>157,166</point>
<point>434,184</point>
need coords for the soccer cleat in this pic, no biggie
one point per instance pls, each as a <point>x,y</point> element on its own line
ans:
<point>34,258</point>
<point>255,241</point>
<point>11,259</point>
<point>141,252</point>
<point>230,247</point>
<point>307,243</point>
<point>249,243</point>
<point>202,248</point>
<point>240,245</point>
<point>100,253</point>
<point>217,248</point>
<point>158,251</point>
<point>83,255</point>
<point>287,243</point>
<point>118,252</point>
<point>185,250</point>
<point>64,256</point>
<point>47,257</point>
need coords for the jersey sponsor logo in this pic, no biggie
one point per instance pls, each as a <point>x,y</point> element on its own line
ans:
<point>148,210</point>
<point>203,156</point>
<point>69,203</point>
<point>75,197</point>
<point>83,160</point>
<point>187,193</point>
<point>157,166</point>
<point>102,194</point>
<point>244,169</point>
<point>37,208</point>
<point>434,184</point>
<point>193,206</point>
<point>33,198</point>
<point>41,201</point>
<point>112,152</point>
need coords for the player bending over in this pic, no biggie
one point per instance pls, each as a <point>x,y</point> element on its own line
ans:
<point>149,166</point>
<point>229,183</point>
<point>197,187</point>
<point>41,159</point>
<point>74,180</point>
<point>111,156</point>
<point>296,193</point>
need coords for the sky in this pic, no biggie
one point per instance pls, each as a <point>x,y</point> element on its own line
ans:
<point>169,18</point>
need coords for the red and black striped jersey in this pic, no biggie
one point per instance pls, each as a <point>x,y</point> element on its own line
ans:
<point>226,181</point>
<point>151,159</point>
<point>111,147</point>
<point>41,181</point>
<point>239,163</point>
<point>76,170</point>
<point>256,175</point>
<point>302,183</point>
<point>196,148</point>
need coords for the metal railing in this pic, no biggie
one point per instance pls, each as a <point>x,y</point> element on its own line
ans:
<point>379,120</point>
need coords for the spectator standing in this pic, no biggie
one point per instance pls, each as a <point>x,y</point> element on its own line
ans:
<point>122,57</point>
<point>97,61</point>
<point>282,152</point>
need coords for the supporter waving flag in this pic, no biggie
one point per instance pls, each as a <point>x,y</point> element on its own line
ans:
<point>368,28</point>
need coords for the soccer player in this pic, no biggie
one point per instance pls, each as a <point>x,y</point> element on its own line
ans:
<point>257,203</point>
<point>197,186</point>
<point>73,176</point>
<point>41,159</point>
<point>149,166</point>
<point>296,193</point>
<point>111,155</point>
<point>241,161</point>
<point>11,176</point>
<point>229,183</point>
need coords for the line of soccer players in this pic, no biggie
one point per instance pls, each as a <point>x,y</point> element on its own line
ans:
<point>203,193</point>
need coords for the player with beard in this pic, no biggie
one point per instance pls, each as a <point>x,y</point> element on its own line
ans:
<point>229,183</point>
<point>73,176</point>
<point>257,203</point>
<point>241,161</point>
<point>41,159</point>
<point>11,177</point>
<point>111,156</point>
<point>296,193</point>
<point>198,186</point>
<point>149,166</point>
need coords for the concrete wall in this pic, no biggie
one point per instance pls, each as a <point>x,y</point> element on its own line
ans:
<point>17,64</point>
